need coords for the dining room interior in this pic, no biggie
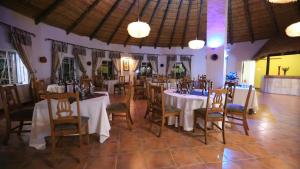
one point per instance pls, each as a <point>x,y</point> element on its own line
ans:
<point>149,84</point>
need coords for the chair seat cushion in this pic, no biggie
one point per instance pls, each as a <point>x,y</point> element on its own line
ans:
<point>202,112</point>
<point>235,108</point>
<point>116,107</point>
<point>61,127</point>
<point>22,114</point>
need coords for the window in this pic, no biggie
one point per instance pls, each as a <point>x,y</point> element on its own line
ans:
<point>107,70</point>
<point>12,70</point>
<point>145,69</point>
<point>178,70</point>
<point>66,71</point>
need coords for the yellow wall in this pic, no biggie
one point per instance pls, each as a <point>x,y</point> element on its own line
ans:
<point>292,61</point>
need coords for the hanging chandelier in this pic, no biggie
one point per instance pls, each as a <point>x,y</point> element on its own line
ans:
<point>281,1</point>
<point>138,29</point>
<point>293,30</point>
<point>196,43</point>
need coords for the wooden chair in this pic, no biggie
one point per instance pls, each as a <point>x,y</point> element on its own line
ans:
<point>149,104</point>
<point>230,86</point>
<point>160,112</point>
<point>63,121</point>
<point>202,85</point>
<point>122,109</point>
<point>120,86</point>
<point>214,111</point>
<point>14,111</point>
<point>233,110</point>
<point>99,84</point>
<point>139,88</point>
<point>40,90</point>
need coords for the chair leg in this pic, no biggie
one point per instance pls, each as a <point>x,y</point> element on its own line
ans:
<point>8,127</point>
<point>131,121</point>
<point>195,122</point>
<point>245,125</point>
<point>87,134</point>
<point>80,139</point>
<point>53,144</point>
<point>205,132</point>
<point>162,126</point>
<point>223,130</point>
<point>128,120</point>
<point>178,128</point>
<point>20,128</point>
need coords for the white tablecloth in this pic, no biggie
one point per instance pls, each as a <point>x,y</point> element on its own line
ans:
<point>94,108</point>
<point>281,86</point>
<point>110,84</point>
<point>187,103</point>
<point>171,85</point>
<point>240,97</point>
<point>55,88</point>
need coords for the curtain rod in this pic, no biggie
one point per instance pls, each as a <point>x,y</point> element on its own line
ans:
<point>159,54</point>
<point>49,39</point>
<point>32,34</point>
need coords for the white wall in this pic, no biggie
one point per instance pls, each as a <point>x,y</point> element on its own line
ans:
<point>239,52</point>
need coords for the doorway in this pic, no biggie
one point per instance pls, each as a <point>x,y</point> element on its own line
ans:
<point>248,72</point>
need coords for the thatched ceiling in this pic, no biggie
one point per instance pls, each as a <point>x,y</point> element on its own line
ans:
<point>107,20</point>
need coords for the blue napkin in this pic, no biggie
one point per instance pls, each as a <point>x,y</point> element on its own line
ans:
<point>199,93</point>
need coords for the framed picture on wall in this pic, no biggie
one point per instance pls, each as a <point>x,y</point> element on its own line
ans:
<point>126,65</point>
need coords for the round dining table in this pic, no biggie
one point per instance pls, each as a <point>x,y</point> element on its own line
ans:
<point>187,103</point>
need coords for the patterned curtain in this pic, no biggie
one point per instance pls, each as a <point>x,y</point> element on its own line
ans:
<point>171,60</point>
<point>116,58</point>
<point>77,51</point>
<point>97,56</point>
<point>186,61</point>
<point>137,58</point>
<point>154,62</point>
<point>57,48</point>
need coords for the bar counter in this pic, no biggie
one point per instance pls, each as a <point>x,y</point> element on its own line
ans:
<point>289,85</point>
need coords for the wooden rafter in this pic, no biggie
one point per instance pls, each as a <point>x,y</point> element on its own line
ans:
<point>141,15</point>
<point>162,23</point>
<point>47,11</point>
<point>249,20</point>
<point>186,23</point>
<point>175,24</point>
<point>120,22</point>
<point>199,19</point>
<point>82,16</point>
<point>104,19</point>
<point>230,21</point>
<point>269,8</point>
<point>151,19</point>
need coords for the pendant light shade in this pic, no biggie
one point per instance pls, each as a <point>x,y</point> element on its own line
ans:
<point>138,29</point>
<point>293,30</point>
<point>196,44</point>
<point>281,1</point>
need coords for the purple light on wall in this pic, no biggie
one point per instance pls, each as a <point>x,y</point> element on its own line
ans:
<point>215,42</point>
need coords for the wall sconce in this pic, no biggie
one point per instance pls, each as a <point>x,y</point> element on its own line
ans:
<point>89,63</point>
<point>43,59</point>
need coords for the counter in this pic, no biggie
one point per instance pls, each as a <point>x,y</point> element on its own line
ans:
<point>289,85</point>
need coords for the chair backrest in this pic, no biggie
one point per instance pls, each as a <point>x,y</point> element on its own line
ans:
<point>247,99</point>
<point>128,96</point>
<point>10,99</point>
<point>39,89</point>
<point>202,84</point>
<point>122,79</point>
<point>218,102</point>
<point>157,99</point>
<point>230,86</point>
<point>63,114</point>
<point>85,83</point>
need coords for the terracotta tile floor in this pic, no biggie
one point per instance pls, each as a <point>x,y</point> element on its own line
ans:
<point>273,143</point>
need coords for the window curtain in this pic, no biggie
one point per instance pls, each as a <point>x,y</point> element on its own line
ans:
<point>137,60</point>
<point>78,52</point>
<point>97,56</point>
<point>57,49</point>
<point>116,59</point>
<point>186,61</point>
<point>154,63</point>
<point>171,60</point>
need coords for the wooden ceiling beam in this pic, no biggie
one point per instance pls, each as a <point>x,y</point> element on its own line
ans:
<point>47,11</point>
<point>269,8</point>
<point>82,16</point>
<point>104,19</point>
<point>120,22</point>
<point>199,18</point>
<point>141,15</point>
<point>249,20</point>
<point>186,23</point>
<point>151,19</point>
<point>175,24</point>
<point>162,23</point>
<point>230,21</point>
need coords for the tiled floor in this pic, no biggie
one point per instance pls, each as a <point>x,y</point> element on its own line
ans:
<point>273,143</point>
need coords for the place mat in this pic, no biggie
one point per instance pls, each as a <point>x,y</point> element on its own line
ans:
<point>199,93</point>
<point>91,96</point>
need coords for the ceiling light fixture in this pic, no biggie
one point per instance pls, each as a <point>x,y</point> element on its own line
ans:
<point>281,1</point>
<point>138,29</point>
<point>293,30</point>
<point>197,44</point>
